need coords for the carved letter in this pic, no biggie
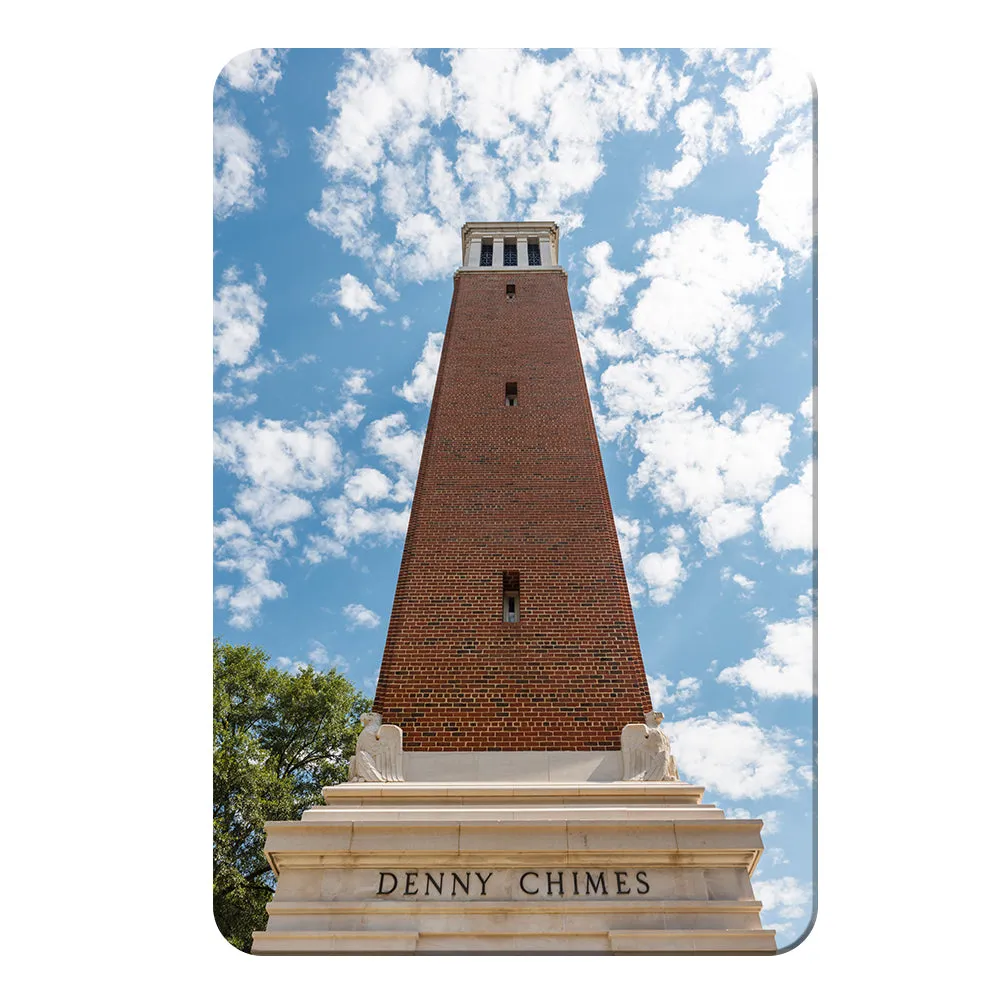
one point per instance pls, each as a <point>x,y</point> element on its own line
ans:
<point>410,876</point>
<point>524,888</point>
<point>455,880</point>
<point>576,887</point>
<point>484,881</point>
<point>641,877</point>
<point>431,881</point>
<point>548,875</point>
<point>595,883</point>
<point>381,882</point>
<point>618,878</point>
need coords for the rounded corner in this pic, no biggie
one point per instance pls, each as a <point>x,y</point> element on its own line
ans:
<point>806,931</point>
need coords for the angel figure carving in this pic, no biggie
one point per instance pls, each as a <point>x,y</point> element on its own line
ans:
<point>646,751</point>
<point>378,755</point>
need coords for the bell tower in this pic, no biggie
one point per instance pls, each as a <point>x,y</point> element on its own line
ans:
<point>511,628</point>
<point>512,791</point>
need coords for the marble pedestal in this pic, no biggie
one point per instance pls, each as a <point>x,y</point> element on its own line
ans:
<point>513,852</point>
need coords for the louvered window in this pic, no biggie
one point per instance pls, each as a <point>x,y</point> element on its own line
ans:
<point>486,255</point>
<point>534,255</point>
<point>510,255</point>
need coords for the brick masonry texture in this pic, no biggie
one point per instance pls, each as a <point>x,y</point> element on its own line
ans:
<point>505,489</point>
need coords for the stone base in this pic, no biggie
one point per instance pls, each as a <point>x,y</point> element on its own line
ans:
<point>584,865</point>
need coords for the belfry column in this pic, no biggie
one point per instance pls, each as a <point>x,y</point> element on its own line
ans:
<point>512,791</point>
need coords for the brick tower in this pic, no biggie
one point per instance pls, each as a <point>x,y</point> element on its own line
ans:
<point>512,627</point>
<point>512,790</point>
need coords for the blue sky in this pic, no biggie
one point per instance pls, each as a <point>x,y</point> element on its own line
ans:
<point>682,185</point>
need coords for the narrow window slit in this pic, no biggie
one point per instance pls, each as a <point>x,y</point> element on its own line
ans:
<point>510,394</point>
<point>510,291</point>
<point>511,596</point>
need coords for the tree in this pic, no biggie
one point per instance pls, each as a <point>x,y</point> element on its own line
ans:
<point>279,738</point>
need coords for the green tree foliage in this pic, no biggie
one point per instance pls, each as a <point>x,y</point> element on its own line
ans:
<point>279,738</point>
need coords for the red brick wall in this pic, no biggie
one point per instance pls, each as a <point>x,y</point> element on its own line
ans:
<point>511,488</point>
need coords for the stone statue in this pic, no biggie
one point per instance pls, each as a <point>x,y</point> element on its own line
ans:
<point>646,751</point>
<point>378,755</point>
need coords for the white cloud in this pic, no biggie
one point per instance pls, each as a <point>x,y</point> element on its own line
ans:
<point>529,143</point>
<point>346,212</point>
<point>783,667</point>
<point>629,531</point>
<point>694,462</point>
<point>236,156</point>
<point>728,520</point>
<point>744,583</point>
<point>351,524</point>
<point>318,655</point>
<point>356,297</point>
<point>685,690</point>
<point>367,484</point>
<point>604,293</point>
<point>702,132</point>
<point>700,271</point>
<point>807,408</point>
<point>733,755</point>
<point>788,516</point>
<point>663,573</point>
<point>773,88</point>
<point>786,205</point>
<point>790,897</point>
<point>237,315</point>
<point>269,507</point>
<point>803,568</point>
<point>278,454</point>
<point>358,616</point>
<point>649,385</point>
<point>257,70</point>
<point>420,387</point>
<point>392,438</point>
<point>356,382</point>
<point>238,549</point>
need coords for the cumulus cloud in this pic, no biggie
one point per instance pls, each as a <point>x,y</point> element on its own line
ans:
<point>604,293</point>
<point>236,156</point>
<point>807,409</point>
<point>767,93</point>
<point>744,583</point>
<point>786,205</point>
<point>786,896</point>
<point>367,484</point>
<point>269,507</point>
<point>663,573</point>
<point>420,387</point>
<point>733,755</point>
<point>358,616</point>
<point>239,549</point>
<point>717,469</point>
<point>528,146</point>
<point>787,517</point>
<point>702,132</point>
<point>783,667</point>
<point>256,70</point>
<point>350,524</point>
<point>278,454</point>
<point>392,438</point>
<point>356,297</point>
<point>629,531</point>
<point>237,316</point>
<point>685,691</point>
<point>700,273</point>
